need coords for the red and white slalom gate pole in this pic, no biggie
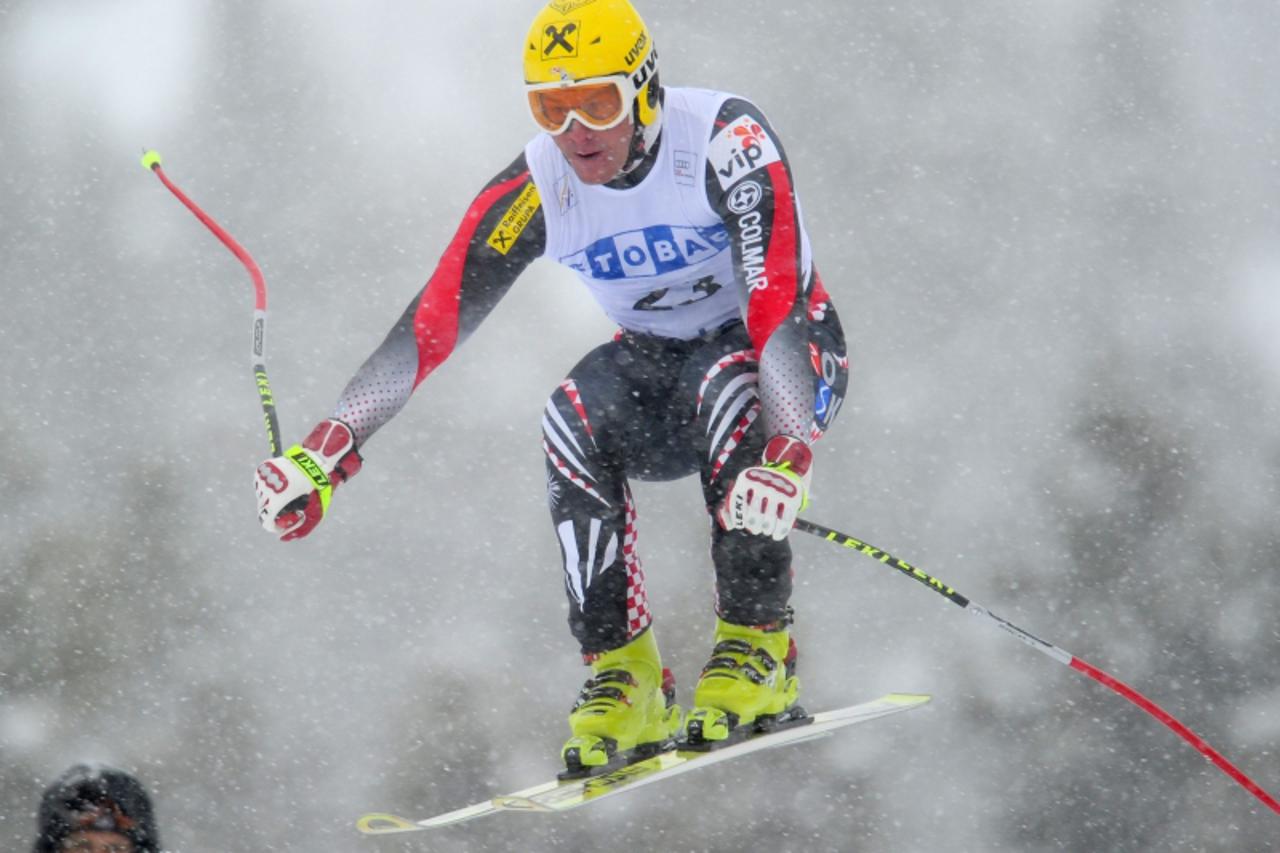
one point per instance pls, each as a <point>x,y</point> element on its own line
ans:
<point>1060,655</point>
<point>151,161</point>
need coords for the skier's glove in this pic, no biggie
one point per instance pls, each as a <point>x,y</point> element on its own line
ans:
<point>766,498</point>
<point>294,489</point>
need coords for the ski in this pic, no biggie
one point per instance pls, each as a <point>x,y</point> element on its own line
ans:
<point>562,795</point>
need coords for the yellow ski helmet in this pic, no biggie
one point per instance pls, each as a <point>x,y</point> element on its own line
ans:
<point>598,43</point>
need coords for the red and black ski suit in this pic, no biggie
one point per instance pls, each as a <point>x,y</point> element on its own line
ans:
<point>705,368</point>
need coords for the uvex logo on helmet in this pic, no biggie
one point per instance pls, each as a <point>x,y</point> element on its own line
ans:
<point>642,74</point>
<point>636,52</point>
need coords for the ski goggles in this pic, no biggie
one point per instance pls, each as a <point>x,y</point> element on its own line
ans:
<point>600,104</point>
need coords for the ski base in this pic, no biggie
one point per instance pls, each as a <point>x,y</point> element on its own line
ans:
<point>563,795</point>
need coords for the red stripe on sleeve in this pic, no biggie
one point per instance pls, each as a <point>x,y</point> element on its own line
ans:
<point>435,322</point>
<point>768,306</point>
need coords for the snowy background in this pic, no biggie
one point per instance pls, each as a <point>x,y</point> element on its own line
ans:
<point>1052,230</point>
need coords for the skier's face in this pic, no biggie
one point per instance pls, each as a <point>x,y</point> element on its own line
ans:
<point>597,156</point>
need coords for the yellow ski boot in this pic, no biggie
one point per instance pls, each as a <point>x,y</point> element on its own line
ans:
<point>625,712</point>
<point>749,685</point>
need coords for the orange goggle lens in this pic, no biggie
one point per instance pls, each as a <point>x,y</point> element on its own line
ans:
<point>597,105</point>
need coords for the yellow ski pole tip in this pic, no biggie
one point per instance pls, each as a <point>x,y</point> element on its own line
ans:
<point>380,823</point>
<point>150,159</point>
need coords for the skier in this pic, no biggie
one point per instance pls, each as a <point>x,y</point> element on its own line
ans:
<point>676,209</point>
<point>96,809</point>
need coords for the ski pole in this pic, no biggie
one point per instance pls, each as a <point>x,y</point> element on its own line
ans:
<point>1060,655</point>
<point>151,161</point>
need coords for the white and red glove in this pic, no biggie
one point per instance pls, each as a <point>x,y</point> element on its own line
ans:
<point>766,498</point>
<point>294,489</point>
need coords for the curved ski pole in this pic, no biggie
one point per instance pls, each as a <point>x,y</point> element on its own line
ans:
<point>151,162</point>
<point>1060,655</point>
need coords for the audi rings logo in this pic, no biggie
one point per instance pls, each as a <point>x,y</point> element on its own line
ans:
<point>745,197</point>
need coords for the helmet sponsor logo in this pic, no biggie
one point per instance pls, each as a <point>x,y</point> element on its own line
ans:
<point>564,7</point>
<point>513,222</point>
<point>739,149</point>
<point>637,50</point>
<point>650,251</point>
<point>744,197</point>
<point>641,75</point>
<point>560,40</point>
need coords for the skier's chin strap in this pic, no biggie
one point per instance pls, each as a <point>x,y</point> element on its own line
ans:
<point>639,166</point>
<point>645,141</point>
